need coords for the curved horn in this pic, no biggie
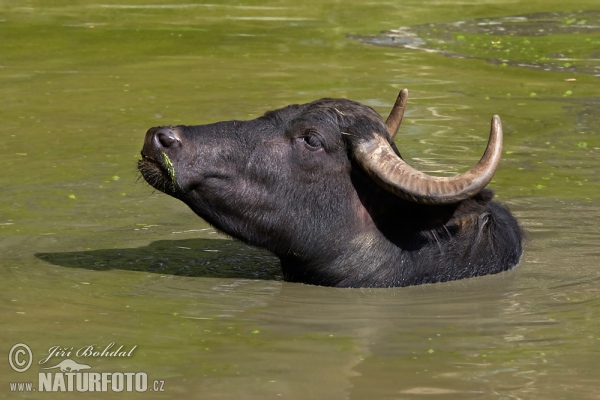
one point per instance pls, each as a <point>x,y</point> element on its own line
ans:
<point>395,118</point>
<point>379,160</point>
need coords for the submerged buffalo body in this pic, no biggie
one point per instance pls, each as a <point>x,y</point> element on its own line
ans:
<point>323,187</point>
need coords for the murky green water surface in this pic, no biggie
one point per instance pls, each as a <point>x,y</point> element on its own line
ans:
<point>89,256</point>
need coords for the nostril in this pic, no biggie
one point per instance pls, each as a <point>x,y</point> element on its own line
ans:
<point>166,137</point>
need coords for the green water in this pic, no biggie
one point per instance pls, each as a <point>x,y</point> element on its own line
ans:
<point>91,256</point>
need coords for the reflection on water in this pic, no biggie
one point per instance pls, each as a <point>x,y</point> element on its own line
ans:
<point>219,258</point>
<point>89,256</point>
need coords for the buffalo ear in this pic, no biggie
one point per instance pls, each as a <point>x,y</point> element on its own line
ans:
<point>363,129</point>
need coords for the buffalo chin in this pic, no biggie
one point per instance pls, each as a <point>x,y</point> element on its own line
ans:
<point>156,175</point>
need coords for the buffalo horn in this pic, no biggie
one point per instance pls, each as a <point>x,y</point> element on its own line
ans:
<point>395,118</point>
<point>378,159</point>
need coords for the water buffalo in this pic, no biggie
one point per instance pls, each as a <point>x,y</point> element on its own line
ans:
<point>323,187</point>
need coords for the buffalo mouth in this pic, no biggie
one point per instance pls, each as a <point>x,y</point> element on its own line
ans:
<point>160,174</point>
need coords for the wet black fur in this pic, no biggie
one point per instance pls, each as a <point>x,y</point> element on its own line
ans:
<point>288,182</point>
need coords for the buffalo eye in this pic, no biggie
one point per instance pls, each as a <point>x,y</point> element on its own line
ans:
<point>312,141</point>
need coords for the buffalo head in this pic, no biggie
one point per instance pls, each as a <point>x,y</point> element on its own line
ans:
<point>323,187</point>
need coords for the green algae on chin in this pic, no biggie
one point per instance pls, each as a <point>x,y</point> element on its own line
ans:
<point>170,169</point>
